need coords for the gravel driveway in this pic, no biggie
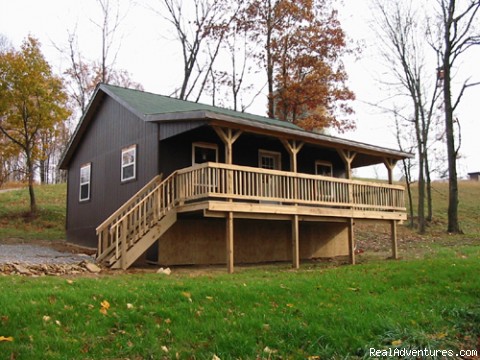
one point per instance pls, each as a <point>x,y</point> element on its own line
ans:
<point>37,254</point>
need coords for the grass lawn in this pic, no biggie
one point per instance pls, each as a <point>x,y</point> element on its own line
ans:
<point>270,312</point>
<point>429,299</point>
<point>50,223</point>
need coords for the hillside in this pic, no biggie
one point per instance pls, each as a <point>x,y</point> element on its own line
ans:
<point>50,224</point>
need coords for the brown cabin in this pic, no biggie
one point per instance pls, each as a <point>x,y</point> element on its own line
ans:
<point>474,176</point>
<point>187,183</point>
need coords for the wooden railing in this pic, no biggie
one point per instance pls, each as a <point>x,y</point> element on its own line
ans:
<point>215,180</point>
<point>131,221</point>
<point>236,183</point>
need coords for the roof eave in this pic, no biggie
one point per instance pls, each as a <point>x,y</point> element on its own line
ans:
<point>221,119</point>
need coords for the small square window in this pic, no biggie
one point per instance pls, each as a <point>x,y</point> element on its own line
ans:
<point>85,176</point>
<point>129,157</point>
<point>323,168</point>
<point>203,152</point>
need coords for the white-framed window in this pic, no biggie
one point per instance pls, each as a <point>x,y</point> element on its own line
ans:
<point>323,168</point>
<point>129,163</point>
<point>85,180</point>
<point>271,160</point>
<point>204,152</point>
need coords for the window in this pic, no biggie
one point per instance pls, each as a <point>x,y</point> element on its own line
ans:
<point>204,152</point>
<point>129,157</point>
<point>269,160</point>
<point>85,172</point>
<point>323,168</point>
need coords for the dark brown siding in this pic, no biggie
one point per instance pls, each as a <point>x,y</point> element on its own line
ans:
<point>176,151</point>
<point>113,128</point>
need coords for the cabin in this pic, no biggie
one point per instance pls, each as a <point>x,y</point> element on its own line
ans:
<point>474,176</point>
<point>182,183</point>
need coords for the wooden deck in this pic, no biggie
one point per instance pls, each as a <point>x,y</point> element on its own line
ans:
<point>223,190</point>
<point>222,187</point>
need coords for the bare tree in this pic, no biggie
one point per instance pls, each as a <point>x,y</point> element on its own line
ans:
<point>84,74</point>
<point>456,33</point>
<point>404,137</point>
<point>200,30</point>
<point>400,27</point>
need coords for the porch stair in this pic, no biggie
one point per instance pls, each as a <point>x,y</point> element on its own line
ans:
<point>137,224</point>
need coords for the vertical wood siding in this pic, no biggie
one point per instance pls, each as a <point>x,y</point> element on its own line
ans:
<point>113,128</point>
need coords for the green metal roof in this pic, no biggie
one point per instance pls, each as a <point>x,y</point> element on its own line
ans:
<point>151,104</point>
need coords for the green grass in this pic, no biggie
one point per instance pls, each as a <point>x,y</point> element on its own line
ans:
<point>48,225</point>
<point>427,300</point>
<point>263,313</point>
<point>468,209</point>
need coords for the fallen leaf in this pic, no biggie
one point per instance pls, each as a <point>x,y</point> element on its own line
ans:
<point>69,281</point>
<point>396,342</point>
<point>129,306</point>
<point>268,350</point>
<point>8,338</point>
<point>354,289</point>
<point>215,357</point>
<point>105,305</point>
<point>46,318</point>
<point>187,295</point>
<point>164,349</point>
<point>290,305</point>
<point>58,322</point>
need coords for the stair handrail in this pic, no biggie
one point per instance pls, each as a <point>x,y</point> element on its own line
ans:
<point>115,222</point>
<point>129,202</point>
<point>103,229</point>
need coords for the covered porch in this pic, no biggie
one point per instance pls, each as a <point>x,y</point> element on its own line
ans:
<point>211,185</point>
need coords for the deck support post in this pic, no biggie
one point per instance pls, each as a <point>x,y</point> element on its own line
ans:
<point>295,243</point>
<point>393,227</point>
<point>229,239</point>
<point>351,241</point>
<point>390,164</point>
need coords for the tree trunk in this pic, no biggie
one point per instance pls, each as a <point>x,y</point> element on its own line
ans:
<point>453,224</point>
<point>42,164</point>
<point>421,169</point>
<point>31,191</point>
<point>270,79</point>
<point>406,169</point>
<point>429,189</point>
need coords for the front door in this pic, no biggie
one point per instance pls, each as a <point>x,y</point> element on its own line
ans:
<point>269,160</point>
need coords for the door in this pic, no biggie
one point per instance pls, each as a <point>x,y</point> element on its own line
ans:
<point>269,184</point>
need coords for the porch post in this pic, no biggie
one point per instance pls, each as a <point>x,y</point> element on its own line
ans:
<point>390,164</point>
<point>351,242</point>
<point>348,157</point>
<point>293,149</point>
<point>229,238</point>
<point>228,137</point>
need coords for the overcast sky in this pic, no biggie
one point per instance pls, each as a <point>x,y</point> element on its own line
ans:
<point>149,52</point>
